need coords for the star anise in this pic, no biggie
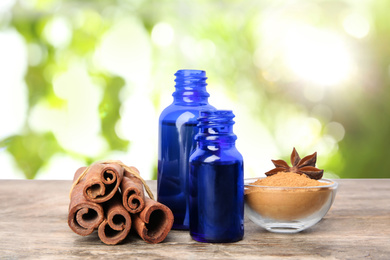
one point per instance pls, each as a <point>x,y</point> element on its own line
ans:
<point>305,165</point>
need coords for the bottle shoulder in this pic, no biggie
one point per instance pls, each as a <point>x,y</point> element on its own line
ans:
<point>191,113</point>
<point>217,156</point>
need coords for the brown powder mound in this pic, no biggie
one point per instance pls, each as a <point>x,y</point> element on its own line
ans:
<point>286,204</point>
<point>288,179</point>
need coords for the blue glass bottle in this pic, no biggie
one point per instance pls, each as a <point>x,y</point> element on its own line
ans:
<point>216,181</point>
<point>177,129</point>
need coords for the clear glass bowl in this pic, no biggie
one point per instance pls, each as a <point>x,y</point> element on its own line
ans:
<point>288,209</point>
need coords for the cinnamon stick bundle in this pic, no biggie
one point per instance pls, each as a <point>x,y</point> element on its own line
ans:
<point>115,228</point>
<point>154,222</point>
<point>132,192</point>
<point>102,181</point>
<point>97,202</point>
<point>84,216</point>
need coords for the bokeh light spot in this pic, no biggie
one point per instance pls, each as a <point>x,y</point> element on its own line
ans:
<point>36,54</point>
<point>13,90</point>
<point>58,32</point>
<point>162,34</point>
<point>317,56</point>
<point>5,5</point>
<point>336,130</point>
<point>356,25</point>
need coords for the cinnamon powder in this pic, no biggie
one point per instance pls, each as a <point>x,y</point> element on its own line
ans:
<point>288,179</point>
<point>283,203</point>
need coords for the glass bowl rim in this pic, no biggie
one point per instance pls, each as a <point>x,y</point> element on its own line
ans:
<point>330,184</point>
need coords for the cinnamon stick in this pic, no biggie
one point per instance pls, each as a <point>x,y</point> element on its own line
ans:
<point>133,196</point>
<point>115,228</point>
<point>154,222</point>
<point>102,181</point>
<point>84,216</point>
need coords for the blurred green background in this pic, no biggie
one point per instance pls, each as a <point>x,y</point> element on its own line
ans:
<point>82,81</point>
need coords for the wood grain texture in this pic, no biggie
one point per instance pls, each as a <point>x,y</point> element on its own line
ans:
<point>33,224</point>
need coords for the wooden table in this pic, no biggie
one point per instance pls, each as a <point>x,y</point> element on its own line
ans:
<point>33,224</point>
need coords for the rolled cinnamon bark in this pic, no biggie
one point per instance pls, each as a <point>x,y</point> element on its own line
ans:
<point>84,216</point>
<point>132,189</point>
<point>117,224</point>
<point>102,182</point>
<point>154,222</point>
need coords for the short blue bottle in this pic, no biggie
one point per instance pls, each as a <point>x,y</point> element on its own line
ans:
<point>216,181</point>
<point>177,129</point>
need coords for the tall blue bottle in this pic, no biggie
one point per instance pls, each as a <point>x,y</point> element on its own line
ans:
<point>216,181</point>
<point>177,129</point>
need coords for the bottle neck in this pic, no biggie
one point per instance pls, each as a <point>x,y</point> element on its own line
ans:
<point>190,88</point>
<point>216,129</point>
